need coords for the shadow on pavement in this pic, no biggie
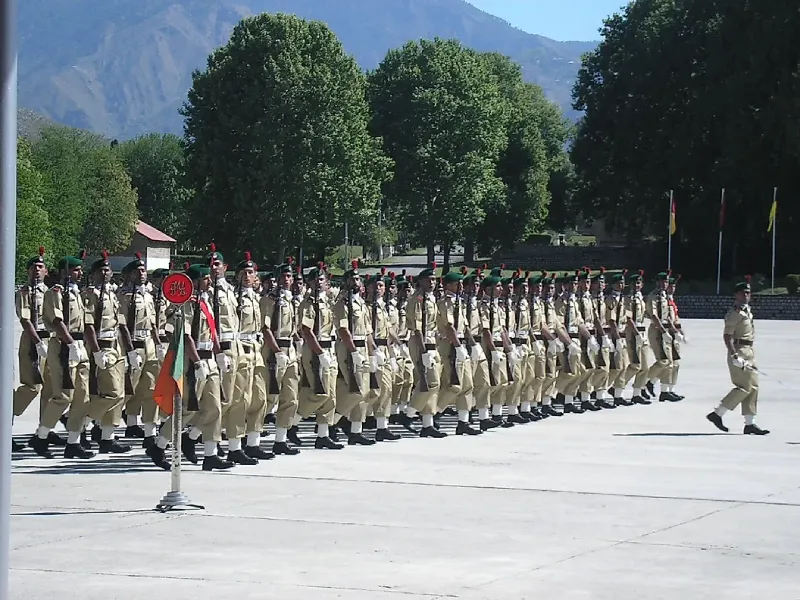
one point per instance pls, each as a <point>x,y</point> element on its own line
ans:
<point>667,434</point>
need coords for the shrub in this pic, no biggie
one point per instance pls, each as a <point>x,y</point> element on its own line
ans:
<point>538,239</point>
<point>793,283</point>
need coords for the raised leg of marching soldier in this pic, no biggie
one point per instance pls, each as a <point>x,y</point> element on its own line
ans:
<point>571,373</point>
<point>617,376</point>
<point>235,419</point>
<point>456,387</point>
<point>380,400</point>
<point>319,398</point>
<point>601,377</point>
<point>551,367</point>
<point>402,388</point>
<point>288,380</point>
<point>482,388</point>
<point>257,409</point>
<point>638,369</point>
<point>537,363</point>
<point>659,371</point>
<point>352,389</point>
<point>28,388</point>
<point>106,406</point>
<point>517,365</point>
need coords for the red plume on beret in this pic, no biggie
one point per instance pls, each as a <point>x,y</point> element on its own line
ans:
<point>247,256</point>
<point>391,274</point>
<point>669,271</point>
<point>41,250</point>
<point>186,266</point>
<point>354,263</point>
<point>748,278</point>
<point>480,271</point>
<point>138,256</point>
<point>641,272</point>
<point>299,270</point>
<point>383,270</point>
<point>602,270</point>
<point>104,254</point>
<point>577,272</point>
<point>544,274</point>
<point>527,274</point>
<point>290,260</point>
<point>433,265</point>
<point>212,246</point>
<point>503,267</point>
<point>82,254</point>
<point>624,272</point>
<point>485,266</point>
<point>320,265</point>
<point>464,270</point>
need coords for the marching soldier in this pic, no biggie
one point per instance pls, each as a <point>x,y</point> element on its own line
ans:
<point>739,338</point>
<point>456,380</point>
<point>138,314</point>
<point>636,340</point>
<point>521,356</point>
<point>657,311</point>
<point>404,378</point>
<point>352,324</point>
<point>104,329</point>
<point>600,378</point>
<point>319,360</point>
<point>280,356</point>
<point>202,403</point>
<point>33,376</point>
<point>678,338</point>
<point>512,363</point>
<point>554,336</point>
<point>590,349</point>
<point>532,392</point>
<point>421,322</point>
<point>491,374</point>
<point>245,417</point>
<point>63,314</point>
<point>617,318</point>
<point>224,308</point>
<point>575,357</point>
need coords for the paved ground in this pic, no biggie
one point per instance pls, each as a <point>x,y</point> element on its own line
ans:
<point>637,503</point>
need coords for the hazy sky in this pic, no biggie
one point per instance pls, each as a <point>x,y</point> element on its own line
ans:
<point>557,19</point>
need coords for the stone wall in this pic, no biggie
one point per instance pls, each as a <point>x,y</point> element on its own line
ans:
<point>563,258</point>
<point>715,307</point>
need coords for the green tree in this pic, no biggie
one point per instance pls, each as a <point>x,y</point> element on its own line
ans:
<point>440,111</point>
<point>278,149</point>
<point>155,163</point>
<point>33,224</point>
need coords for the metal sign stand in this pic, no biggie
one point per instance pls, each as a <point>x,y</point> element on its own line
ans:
<point>175,498</point>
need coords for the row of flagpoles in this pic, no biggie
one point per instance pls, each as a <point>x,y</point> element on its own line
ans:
<point>773,211</point>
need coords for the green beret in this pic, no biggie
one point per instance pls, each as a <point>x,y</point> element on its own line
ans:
<point>37,260</point>
<point>577,276</point>
<point>352,271</point>
<point>636,276</point>
<point>452,277</point>
<point>389,280</point>
<point>583,275</point>
<point>247,263</point>
<point>133,265</point>
<point>490,281</point>
<point>536,279</point>
<point>428,271</point>
<point>663,276</point>
<point>497,271</point>
<point>673,280</point>
<point>599,276</point>
<point>547,280</point>
<point>469,279</point>
<point>70,262</point>
<point>99,263</point>
<point>198,271</point>
<point>214,254</point>
<point>506,280</point>
<point>160,273</point>
<point>743,286</point>
<point>520,279</point>
<point>317,272</point>
<point>618,278</point>
<point>284,268</point>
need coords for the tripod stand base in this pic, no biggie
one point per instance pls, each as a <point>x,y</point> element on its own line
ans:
<point>175,500</point>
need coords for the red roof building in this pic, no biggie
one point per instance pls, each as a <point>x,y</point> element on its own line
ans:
<point>156,247</point>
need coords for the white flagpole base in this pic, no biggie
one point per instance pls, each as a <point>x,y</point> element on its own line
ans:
<point>178,500</point>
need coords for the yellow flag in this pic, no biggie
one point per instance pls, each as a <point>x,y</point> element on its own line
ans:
<point>772,212</point>
<point>673,224</point>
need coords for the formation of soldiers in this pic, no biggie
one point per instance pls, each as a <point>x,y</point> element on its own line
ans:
<point>374,352</point>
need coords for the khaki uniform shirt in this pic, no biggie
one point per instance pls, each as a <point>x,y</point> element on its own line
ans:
<point>585,304</point>
<point>278,315</point>
<point>228,313</point>
<point>635,306</point>
<point>522,319</point>
<point>657,306</point>
<point>739,324</point>
<point>24,301</point>
<point>616,312</point>
<point>536,312</point>
<point>137,312</point>
<point>550,316</point>
<point>569,316</point>
<point>402,324</point>
<point>414,316</point>
<point>52,308</point>
<point>488,322</point>
<point>379,319</point>
<point>106,323</point>
<point>196,324</point>
<point>472,317</point>
<point>451,311</point>
<point>317,316</point>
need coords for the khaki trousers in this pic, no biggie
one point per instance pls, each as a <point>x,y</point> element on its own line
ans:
<point>322,404</point>
<point>288,382</point>
<point>425,401</point>
<point>745,384</point>
<point>452,393</point>
<point>568,382</point>
<point>76,399</point>
<point>552,372</point>
<point>481,383</point>
<point>144,382</point>
<point>617,376</point>
<point>404,378</point>
<point>208,419</point>
<point>661,345</point>
<point>106,406</point>
<point>351,395</point>
<point>28,387</point>
<point>234,419</point>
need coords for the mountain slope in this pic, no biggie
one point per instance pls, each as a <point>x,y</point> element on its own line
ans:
<point>121,68</point>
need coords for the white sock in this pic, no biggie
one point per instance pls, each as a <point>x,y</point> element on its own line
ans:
<point>637,392</point>
<point>749,419</point>
<point>569,399</point>
<point>402,407</point>
<point>42,432</point>
<point>131,420</point>
<point>666,387</point>
<point>427,420</point>
<point>720,410</point>
<point>381,422</point>
<point>253,439</point>
<point>86,422</point>
<point>210,448</point>
<point>107,432</point>
<point>463,416</point>
<point>355,428</point>
<point>497,410</point>
<point>512,410</point>
<point>483,414</point>
<point>322,430</point>
<point>296,420</point>
<point>234,444</point>
<point>395,409</point>
<point>162,442</point>
<point>654,381</point>
<point>280,435</point>
<point>411,411</point>
<point>526,407</point>
<point>195,433</point>
<point>73,437</point>
<point>149,429</point>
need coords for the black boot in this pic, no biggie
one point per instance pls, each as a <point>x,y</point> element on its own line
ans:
<point>549,411</point>
<point>134,431</point>
<point>157,455</point>
<point>605,404</point>
<point>464,429</point>
<point>344,424</point>
<point>586,405</point>
<point>640,400</point>
<point>113,447</point>
<point>755,430</point>
<point>431,432</point>
<point>214,462</point>
<point>76,451</point>
<point>257,453</point>
<point>240,458</point>
<point>148,441</point>
<point>357,439</point>
<point>188,448</point>
<point>717,421</point>
<point>574,409</point>
<point>285,449</point>
<point>326,443</point>
<point>56,440</point>
<point>667,397</point>
<point>406,421</point>
<point>370,423</point>
<point>40,446</point>
<point>384,435</point>
<point>651,389</point>
<point>518,419</point>
<point>16,446</point>
<point>487,424</point>
<point>292,435</point>
<point>85,443</point>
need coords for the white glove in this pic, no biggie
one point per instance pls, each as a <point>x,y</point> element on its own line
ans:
<point>358,359</point>
<point>427,360</point>
<point>405,351</point>
<point>380,356</point>
<point>560,346</point>
<point>738,361</point>
<point>538,347</point>
<point>374,363</point>
<point>461,354</point>
<point>477,353</point>
<point>639,341</point>
<point>552,348</point>
<point>592,345</point>
<point>223,362</point>
<point>574,349</point>
<point>607,344</point>
<point>134,360</point>
<point>161,351</point>
<point>497,356</point>
<point>41,350</point>
<point>393,362</point>
<point>621,345</point>
<point>100,359</point>
<point>75,352</point>
<point>679,337</point>
<point>281,360</point>
<point>299,344</point>
<point>325,361</point>
<point>201,371</point>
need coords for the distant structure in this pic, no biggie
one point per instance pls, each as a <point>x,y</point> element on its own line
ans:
<point>156,248</point>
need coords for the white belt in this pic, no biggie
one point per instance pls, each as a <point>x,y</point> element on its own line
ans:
<point>522,334</point>
<point>359,338</point>
<point>204,345</point>
<point>497,338</point>
<point>228,337</point>
<point>284,338</point>
<point>249,337</point>
<point>573,329</point>
<point>141,334</point>
<point>107,335</point>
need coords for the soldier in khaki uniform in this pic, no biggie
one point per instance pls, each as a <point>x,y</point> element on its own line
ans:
<point>657,311</point>
<point>319,360</point>
<point>512,356</point>
<point>575,359</point>
<point>138,314</point>
<point>518,392</point>
<point>599,382</point>
<point>353,345</point>
<point>590,348</point>
<point>404,378</point>
<point>456,379</point>
<point>617,318</point>
<point>63,314</point>
<point>554,336</point>
<point>491,374</point>
<point>280,356</point>
<point>472,337</point>
<point>202,403</point>
<point>536,362</point>
<point>739,338</point>
<point>678,337</point>
<point>33,376</point>
<point>245,416</point>
<point>109,342</point>
<point>636,342</point>
<point>421,323</point>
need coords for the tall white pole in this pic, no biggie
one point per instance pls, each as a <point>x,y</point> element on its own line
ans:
<point>719,250</point>
<point>669,232</point>
<point>774,228</point>
<point>8,241</point>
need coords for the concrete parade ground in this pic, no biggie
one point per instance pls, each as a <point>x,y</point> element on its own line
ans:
<point>637,503</point>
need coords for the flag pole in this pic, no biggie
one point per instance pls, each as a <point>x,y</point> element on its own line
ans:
<point>669,232</point>
<point>774,223</point>
<point>719,249</point>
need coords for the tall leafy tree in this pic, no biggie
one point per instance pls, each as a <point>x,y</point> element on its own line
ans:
<point>155,163</point>
<point>276,134</point>
<point>440,112</point>
<point>33,222</point>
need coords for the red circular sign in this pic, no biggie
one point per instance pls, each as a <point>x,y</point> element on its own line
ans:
<point>177,288</point>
